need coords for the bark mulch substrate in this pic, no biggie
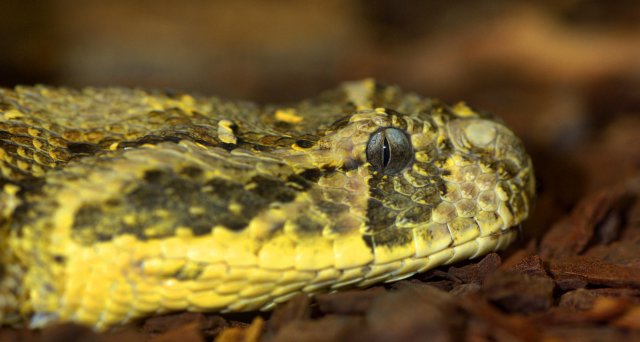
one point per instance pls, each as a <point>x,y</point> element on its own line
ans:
<point>580,282</point>
<point>563,74</point>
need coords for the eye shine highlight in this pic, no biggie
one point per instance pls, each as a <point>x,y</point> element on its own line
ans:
<point>389,150</point>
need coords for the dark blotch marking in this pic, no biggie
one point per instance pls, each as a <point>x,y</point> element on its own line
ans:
<point>430,169</point>
<point>304,143</point>
<point>377,194</point>
<point>273,190</point>
<point>305,226</point>
<point>86,214</point>
<point>378,188</point>
<point>59,259</point>
<point>282,125</point>
<point>351,164</point>
<point>228,147</point>
<point>300,181</point>
<point>368,240</point>
<point>112,202</point>
<point>86,225</point>
<point>418,214</point>
<point>392,111</point>
<point>445,147</point>
<point>327,170</point>
<point>191,171</point>
<point>332,209</point>
<point>379,217</point>
<point>177,193</point>
<point>182,275</point>
<point>312,175</point>
<point>4,135</point>
<point>153,176</point>
<point>159,137</point>
<point>398,201</point>
<point>22,215</point>
<point>393,237</point>
<point>441,186</point>
<point>82,148</point>
<point>340,123</point>
<point>388,238</point>
<point>429,194</point>
<point>506,169</point>
<point>262,148</point>
<point>156,139</point>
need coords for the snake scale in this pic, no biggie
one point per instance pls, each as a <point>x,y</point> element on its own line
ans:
<point>119,203</point>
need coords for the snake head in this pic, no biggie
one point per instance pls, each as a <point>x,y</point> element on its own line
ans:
<point>436,180</point>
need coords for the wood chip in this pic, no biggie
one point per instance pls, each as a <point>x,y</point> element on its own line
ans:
<point>297,309</point>
<point>476,272</point>
<point>571,235</point>
<point>349,302</point>
<point>577,272</point>
<point>519,293</point>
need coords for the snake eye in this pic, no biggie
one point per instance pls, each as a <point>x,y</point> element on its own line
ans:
<point>389,150</point>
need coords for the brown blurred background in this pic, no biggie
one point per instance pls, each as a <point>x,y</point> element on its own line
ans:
<point>564,74</point>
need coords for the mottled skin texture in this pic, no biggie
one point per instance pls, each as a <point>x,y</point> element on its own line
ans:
<point>122,203</point>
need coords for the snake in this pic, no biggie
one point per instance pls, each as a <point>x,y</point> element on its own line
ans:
<point>123,203</point>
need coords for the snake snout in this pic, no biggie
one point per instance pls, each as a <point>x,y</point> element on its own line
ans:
<point>489,139</point>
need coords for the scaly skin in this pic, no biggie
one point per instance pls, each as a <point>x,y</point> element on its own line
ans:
<point>123,203</point>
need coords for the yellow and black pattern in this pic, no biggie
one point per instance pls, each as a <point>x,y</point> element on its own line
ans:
<point>123,203</point>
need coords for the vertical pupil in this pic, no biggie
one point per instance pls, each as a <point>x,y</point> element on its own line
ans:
<point>386,153</point>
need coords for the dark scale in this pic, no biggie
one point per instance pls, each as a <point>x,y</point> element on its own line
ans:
<point>312,175</point>
<point>398,202</point>
<point>306,227</point>
<point>389,238</point>
<point>331,209</point>
<point>428,195</point>
<point>379,216</point>
<point>401,185</point>
<point>414,216</point>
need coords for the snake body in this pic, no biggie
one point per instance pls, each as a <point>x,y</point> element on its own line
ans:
<point>122,203</point>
